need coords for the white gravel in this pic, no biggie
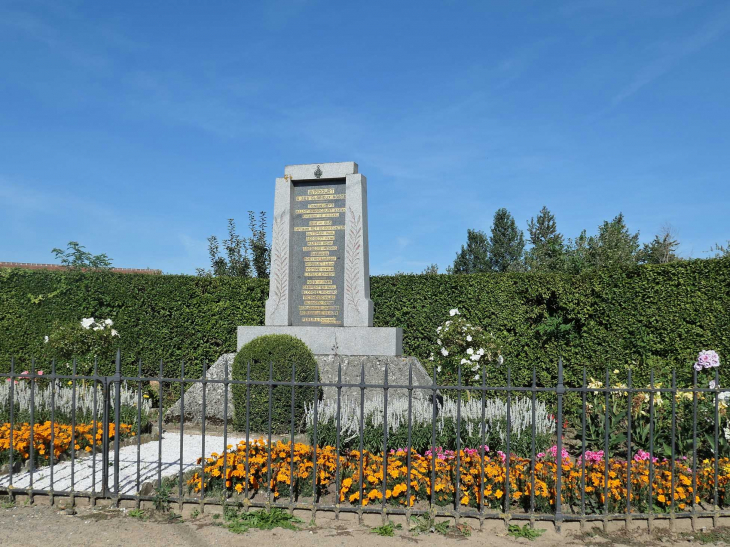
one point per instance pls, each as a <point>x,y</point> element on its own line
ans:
<point>150,465</point>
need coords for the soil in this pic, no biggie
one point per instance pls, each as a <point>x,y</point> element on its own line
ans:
<point>85,526</point>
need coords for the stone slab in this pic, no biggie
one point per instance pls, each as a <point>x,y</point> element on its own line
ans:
<point>214,396</point>
<point>377,341</point>
<point>308,171</point>
<point>352,367</point>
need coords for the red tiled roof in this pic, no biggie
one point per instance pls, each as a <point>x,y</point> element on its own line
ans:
<point>31,266</point>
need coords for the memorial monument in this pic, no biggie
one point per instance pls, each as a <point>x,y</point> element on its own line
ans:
<point>319,292</point>
<point>319,288</point>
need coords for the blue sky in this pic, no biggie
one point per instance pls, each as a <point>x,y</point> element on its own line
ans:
<point>137,128</point>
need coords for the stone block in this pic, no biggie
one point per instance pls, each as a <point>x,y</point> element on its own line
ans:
<point>335,340</point>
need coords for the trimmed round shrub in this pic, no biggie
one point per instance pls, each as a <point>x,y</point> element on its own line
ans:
<point>275,355</point>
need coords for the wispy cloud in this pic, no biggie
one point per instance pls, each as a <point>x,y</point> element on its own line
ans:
<point>675,52</point>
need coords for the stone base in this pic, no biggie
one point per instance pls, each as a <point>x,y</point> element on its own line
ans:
<point>330,367</point>
<point>379,341</point>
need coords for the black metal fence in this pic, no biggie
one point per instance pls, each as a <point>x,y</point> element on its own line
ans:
<point>590,452</point>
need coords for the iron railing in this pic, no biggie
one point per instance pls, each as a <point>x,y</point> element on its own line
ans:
<point>573,489</point>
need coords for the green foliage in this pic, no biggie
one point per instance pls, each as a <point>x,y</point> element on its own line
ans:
<point>75,257</point>
<point>244,256</point>
<point>462,345</point>
<point>614,246</point>
<point>548,249</point>
<point>387,530</point>
<point>654,316</point>
<point>272,356</point>
<point>661,250</point>
<point>84,342</point>
<point>506,243</point>
<point>241,522</point>
<point>474,257</point>
<point>159,317</point>
<point>525,531</point>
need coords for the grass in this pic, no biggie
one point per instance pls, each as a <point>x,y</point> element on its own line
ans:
<point>8,502</point>
<point>241,522</point>
<point>524,531</point>
<point>137,514</point>
<point>427,524</point>
<point>718,535</point>
<point>387,530</point>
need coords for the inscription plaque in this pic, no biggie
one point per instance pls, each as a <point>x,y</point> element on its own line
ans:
<point>318,252</point>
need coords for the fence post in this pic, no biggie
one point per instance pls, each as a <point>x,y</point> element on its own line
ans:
<point>560,391</point>
<point>117,419</point>
<point>105,437</point>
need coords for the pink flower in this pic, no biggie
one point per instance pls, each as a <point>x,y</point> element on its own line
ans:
<point>24,372</point>
<point>39,373</point>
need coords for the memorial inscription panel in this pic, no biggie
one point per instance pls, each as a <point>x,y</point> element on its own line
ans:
<point>318,252</point>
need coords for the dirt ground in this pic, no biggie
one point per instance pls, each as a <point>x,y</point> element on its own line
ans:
<point>82,526</point>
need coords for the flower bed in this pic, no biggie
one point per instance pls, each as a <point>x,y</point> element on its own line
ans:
<point>84,437</point>
<point>293,476</point>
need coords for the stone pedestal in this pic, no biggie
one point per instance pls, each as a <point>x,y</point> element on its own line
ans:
<point>379,341</point>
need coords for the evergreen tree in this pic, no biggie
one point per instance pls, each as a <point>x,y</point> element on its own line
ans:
<point>506,243</point>
<point>661,250</point>
<point>474,257</point>
<point>548,250</point>
<point>614,245</point>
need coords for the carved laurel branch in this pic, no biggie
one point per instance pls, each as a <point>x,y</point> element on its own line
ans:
<point>280,268</point>
<point>352,265</point>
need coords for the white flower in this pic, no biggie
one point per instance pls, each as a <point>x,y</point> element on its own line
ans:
<point>87,322</point>
<point>500,360</point>
<point>476,357</point>
<point>438,329</point>
<point>444,352</point>
<point>431,357</point>
<point>476,377</point>
<point>45,340</point>
<point>468,338</point>
<point>713,385</point>
<point>447,323</point>
<point>98,326</point>
<point>114,333</point>
<point>469,351</point>
<point>475,368</point>
<point>108,322</point>
<point>481,351</point>
<point>723,396</point>
<point>465,361</point>
<point>438,368</point>
<point>438,341</point>
<point>453,312</point>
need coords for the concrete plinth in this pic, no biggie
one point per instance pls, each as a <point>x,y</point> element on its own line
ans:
<point>385,341</point>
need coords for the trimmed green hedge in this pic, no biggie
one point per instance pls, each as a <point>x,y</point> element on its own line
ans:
<point>271,357</point>
<point>658,316</point>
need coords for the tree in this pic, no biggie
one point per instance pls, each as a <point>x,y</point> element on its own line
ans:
<point>474,257</point>
<point>260,250</point>
<point>721,251</point>
<point>75,257</point>
<point>613,246</point>
<point>577,258</point>
<point>506,243</point>
<point>244,257</point>
<point>431,269</point>
<point>548,250</point>
<point>662,248</point>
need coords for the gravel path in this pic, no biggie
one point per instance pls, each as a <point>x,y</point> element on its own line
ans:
<point>150,464</point>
